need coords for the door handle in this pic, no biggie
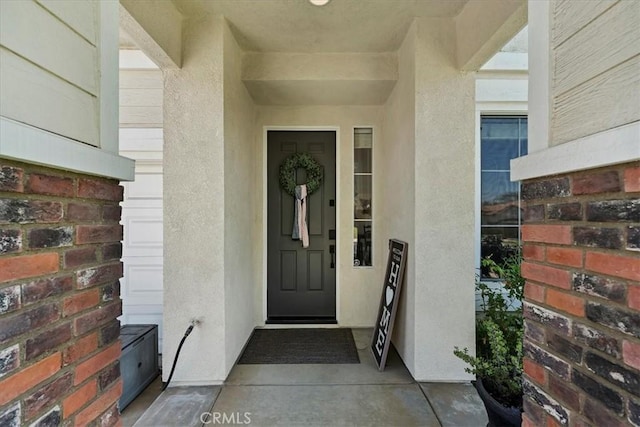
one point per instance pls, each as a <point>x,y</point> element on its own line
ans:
<point>332,251</point>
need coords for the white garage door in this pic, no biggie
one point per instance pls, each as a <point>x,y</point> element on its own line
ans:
<point>141,286</point>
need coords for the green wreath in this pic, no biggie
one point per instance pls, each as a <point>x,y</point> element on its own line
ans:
<point>288,173</point>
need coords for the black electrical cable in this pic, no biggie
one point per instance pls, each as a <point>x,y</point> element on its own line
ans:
<point>175,359</point>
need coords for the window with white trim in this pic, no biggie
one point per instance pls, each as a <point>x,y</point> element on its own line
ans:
<point>363,196</point>
<point>502,138</point>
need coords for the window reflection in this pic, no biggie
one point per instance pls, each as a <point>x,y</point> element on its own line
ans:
<point>502,139</point>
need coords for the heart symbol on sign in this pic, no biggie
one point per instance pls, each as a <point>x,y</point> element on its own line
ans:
<point>389,295</point>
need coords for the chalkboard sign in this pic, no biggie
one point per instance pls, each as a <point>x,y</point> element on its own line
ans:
<point>389,301</point>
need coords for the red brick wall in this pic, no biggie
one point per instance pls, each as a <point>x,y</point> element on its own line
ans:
<point>582,298</point>
<point>59,297</point>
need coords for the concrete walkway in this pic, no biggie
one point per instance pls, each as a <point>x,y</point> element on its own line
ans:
<point>317,395</point>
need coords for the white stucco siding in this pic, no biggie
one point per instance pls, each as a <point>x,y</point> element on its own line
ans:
<point>483,26</point>
<point>240,206</point>
<point>444,206</point>
<point>319,78</point>
<point>157,28</point>
<point>596,67</point>
<point>397,188</point>
<point>194,273</point>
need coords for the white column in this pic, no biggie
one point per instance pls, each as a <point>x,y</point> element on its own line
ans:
<point>444,206</point>
<point>194,207</point>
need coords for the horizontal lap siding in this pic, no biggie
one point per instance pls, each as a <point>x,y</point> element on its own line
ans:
<point>595,69</point>
<point>604,102</point>
<point>79,15</point>
<point>50,69</point>
<point>570,17</point>
<point>34,96</point>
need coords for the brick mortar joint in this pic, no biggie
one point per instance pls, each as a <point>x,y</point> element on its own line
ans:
<point>587,349</point>
<point>58,301</point>
<point>64,370</point>
<point>606,330</point>
<point>626,395</point>
<point>581,393</point>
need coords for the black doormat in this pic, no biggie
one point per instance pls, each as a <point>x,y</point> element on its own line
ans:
<point>296,346</point>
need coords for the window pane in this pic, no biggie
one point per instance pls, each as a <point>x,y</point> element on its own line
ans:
<point>497,152</point>
<point>362,160</point>
<point>523,147</point>
<point>499,243</point>
<point>500,127</point>
<point>497,188</point>
<point>362,200</point>
<point>362,138</point>
<point>502,139</point>
<point>362,197</point>
<point>362,243</point>
<point>523,128</point>
<point>501,214</point>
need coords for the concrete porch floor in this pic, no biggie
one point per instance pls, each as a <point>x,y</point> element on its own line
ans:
<point>313,395</point>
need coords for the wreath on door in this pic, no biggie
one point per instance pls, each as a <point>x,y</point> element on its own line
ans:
<point>300,161</point>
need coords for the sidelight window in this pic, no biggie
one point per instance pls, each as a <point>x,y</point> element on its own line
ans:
<point>502,139</point>
<point>363,196</point>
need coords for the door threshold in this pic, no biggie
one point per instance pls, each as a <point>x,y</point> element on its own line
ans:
<point>301,321</point>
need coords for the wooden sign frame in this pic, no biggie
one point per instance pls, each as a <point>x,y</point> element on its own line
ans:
<point>389,301</point>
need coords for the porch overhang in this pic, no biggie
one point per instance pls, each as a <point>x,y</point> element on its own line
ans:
<point>482,26</point>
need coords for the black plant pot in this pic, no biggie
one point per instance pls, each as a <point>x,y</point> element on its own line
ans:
<point>499,415</point>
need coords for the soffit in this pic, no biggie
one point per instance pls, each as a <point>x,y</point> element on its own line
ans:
<point>125,41</point>
<point>339,26</point>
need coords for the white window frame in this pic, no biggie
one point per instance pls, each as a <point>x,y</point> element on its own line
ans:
<point>506,109</point>
<point>373,191</point>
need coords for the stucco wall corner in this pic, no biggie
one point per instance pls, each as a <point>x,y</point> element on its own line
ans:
<point>194,271</point>
<point>444,206</point>
<point>239,210</point>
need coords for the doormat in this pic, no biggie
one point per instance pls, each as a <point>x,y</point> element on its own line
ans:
<point>297,346</point>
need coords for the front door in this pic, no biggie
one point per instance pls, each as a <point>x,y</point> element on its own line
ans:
<point>301,282</point>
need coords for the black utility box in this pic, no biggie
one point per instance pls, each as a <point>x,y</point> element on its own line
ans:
<point>138,361</point>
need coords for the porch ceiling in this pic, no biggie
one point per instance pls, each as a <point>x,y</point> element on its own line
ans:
<point>339,26</point>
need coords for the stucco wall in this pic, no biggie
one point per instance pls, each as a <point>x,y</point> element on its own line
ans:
<point>239,213</point>
<point>423,143</point>
<point>428,164</point>
<point>358,288</point>
<point>194,206</point>
<point>397,213</point>
<point>444,205</point>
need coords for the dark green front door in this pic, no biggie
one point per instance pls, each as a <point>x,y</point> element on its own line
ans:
<point>301,282</point>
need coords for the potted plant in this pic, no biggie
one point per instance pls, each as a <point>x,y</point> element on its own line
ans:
<point>499,331</point>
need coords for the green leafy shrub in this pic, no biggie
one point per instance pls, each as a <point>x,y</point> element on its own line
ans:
<point>499,332</point>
